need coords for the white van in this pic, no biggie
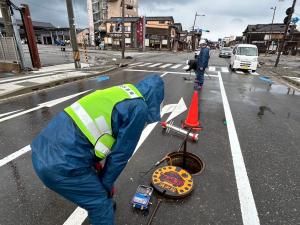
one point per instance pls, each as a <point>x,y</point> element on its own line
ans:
<point>244,56</point>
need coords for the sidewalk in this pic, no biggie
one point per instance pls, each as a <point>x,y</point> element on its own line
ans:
<point>47,77</point>
<point>287,70</point>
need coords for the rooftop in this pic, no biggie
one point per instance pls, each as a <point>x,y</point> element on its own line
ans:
<point>36,24</point>
<point>265,28</point>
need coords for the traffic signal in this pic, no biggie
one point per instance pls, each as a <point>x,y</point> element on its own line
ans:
<point>289,12</point>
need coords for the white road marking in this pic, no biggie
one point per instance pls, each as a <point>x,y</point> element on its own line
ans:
<point>176,66</point>
<point>145,64</point>
<point>134,64</point>
<point>255,73</point>
<point>180,108</point>
<point>14,155</point>
<point>165,65</point>
<point>5,114</point>
<point>154,65</point>
<point>164,74</point>
<point>45,104</point>
<point>224,70</point>
<point>170,72</point>
<point>239,72</point>
<point>212,68</point>
<point>77,217</point>
<point>33,76</point>
<point>247,203</point>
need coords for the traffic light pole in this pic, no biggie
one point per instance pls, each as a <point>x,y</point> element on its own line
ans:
<point>123,29</point>
<point>285,34</point>
<point>76,54</point>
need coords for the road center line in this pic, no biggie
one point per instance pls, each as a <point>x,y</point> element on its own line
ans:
<point>247,203</point>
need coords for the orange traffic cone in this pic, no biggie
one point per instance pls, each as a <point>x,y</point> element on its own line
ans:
<point>192,120</point>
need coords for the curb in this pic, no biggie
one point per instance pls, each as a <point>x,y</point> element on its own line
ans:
<point>289,79</point>
<point>40,87</point>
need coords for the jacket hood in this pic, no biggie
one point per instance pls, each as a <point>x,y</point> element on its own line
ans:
<point>152,89</point>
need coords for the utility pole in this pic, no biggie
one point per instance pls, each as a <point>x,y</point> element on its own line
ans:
<point>6,18</point>
<point>274,11</point>
<point>194,35</point>
<point>285,33</point>
<point>123,29</point>
<point>76,54</point>
<point>30,35</point>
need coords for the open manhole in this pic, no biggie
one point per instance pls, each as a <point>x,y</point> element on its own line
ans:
<point>193,164</point>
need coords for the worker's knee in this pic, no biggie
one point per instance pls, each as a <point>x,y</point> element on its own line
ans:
<point>101,213</point>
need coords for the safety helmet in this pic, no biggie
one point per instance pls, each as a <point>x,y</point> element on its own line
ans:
<point>202,42</point>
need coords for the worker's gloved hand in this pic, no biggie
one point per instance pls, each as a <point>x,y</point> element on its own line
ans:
<point>98,167</point>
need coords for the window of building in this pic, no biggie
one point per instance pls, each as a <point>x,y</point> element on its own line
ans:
<point>127,28</point>
<point>161,22</point>
<point>111,29</point>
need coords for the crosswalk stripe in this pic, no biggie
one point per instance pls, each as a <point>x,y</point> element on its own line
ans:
<point>145,64</point>
<point>224,70</point>
<point>165,66</point>
<point>134,64</point>
<point>156,64</point>
<point>212,68</point>
<point>176,66</point>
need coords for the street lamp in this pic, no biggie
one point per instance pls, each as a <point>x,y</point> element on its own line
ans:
<point>193,37</point>
<point>274,11</point>
<point>196,15</point>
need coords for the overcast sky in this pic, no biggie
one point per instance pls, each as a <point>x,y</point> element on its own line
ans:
<point>222,17</point>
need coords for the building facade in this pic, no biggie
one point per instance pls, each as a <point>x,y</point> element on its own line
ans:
<point>268,37</point>
<point>159,32</point>
<point>99,11</point>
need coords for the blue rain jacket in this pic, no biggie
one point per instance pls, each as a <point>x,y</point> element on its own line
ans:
<point>63,157</point>
<point>202,59</point>
<point>62,150</point>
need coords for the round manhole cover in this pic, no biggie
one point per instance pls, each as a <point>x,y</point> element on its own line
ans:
<point>172,182</point>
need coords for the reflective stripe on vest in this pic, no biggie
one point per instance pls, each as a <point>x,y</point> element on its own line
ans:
<point>94,123</point>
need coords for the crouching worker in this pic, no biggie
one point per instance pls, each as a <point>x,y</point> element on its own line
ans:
<point>105,124</point>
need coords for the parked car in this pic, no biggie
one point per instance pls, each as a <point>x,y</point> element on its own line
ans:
<point>244,56</point>
<point>225,52</point>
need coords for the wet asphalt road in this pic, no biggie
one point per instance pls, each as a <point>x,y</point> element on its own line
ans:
<point>267,123</point>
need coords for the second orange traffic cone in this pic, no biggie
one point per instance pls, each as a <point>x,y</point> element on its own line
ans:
<point>192,119</point>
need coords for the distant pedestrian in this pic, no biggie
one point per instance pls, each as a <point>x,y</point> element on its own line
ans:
<point>202,64</point>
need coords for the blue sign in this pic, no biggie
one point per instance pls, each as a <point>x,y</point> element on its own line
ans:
<point>295,20</point>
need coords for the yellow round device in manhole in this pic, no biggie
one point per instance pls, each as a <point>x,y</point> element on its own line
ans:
<point>172,181</point>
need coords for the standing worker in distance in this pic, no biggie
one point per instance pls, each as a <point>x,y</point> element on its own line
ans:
<point>202,64</point>
<point>105,124</point>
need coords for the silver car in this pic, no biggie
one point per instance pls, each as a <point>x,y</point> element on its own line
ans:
<point>225,52</point>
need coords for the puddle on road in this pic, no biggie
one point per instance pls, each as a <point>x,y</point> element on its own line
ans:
<point>276,89</point>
